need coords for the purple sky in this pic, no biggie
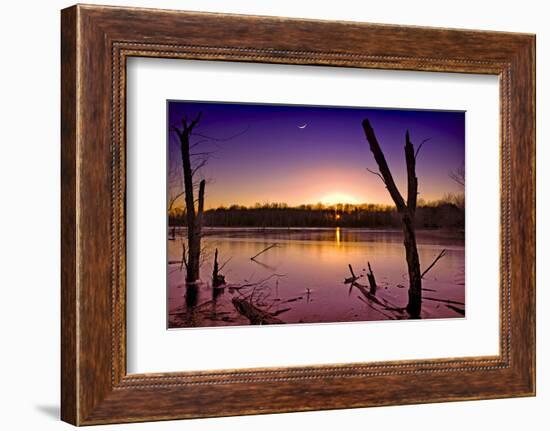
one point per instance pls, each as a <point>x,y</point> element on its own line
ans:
<point>261,154</point>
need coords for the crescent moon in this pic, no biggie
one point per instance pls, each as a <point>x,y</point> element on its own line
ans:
<point>303,126</point>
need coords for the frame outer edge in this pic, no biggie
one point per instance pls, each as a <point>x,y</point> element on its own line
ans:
<point>69,202</point>
<point>88,397</point>
<point>523,219</point>
<point>533,55</point>
<point>526,162</point>
<point>533,198</point>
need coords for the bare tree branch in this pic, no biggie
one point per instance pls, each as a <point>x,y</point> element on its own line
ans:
<point>236,135</point>
<point>225,263</point>
<point>459,175</point>
<point>420,146</point>
<point>200,164</point>
<point>377,174</point>
<point>439,256</point>
<point>173,200</point>
<point>264,250</point>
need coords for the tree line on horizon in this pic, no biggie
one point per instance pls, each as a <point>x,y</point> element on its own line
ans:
<point>447,212</point>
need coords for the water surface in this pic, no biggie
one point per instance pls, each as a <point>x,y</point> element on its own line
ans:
<point>301,280</point>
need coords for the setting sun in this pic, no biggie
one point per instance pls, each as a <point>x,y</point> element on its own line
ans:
<point>338,198</point>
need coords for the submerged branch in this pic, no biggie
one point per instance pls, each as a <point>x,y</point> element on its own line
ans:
<point>446,301</point>
<point>456,309</point>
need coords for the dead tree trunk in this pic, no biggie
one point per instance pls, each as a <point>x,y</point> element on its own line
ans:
<point>194,235</point>
<point>194,217</point>
<point>372,280</point>
<point>217,278</point>
<point>406,210</point>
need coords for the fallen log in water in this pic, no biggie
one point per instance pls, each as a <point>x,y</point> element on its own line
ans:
<point>256,315</point>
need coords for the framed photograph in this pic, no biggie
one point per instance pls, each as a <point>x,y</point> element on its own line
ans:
<point>287,207</point>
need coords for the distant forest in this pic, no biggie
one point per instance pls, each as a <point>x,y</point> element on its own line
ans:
<point>445,213</point>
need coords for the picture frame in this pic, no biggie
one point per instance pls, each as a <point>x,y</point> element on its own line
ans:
<point>96,42</point>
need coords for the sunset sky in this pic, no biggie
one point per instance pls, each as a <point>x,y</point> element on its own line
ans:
<point>263,153</point>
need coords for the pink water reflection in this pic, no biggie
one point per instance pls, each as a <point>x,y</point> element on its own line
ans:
<point>310,267</point>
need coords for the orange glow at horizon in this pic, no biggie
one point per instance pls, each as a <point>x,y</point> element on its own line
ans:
<point>338,198</point>
<point>328,185</point>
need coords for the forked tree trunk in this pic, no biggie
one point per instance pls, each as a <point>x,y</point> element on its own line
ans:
<point>406,210</point>
<point>194,217</point>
